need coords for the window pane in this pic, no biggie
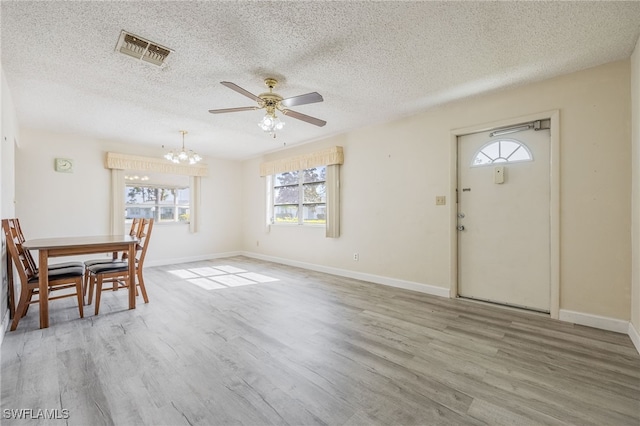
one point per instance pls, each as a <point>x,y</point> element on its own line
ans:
<point>183,214</point>
<point>287,178</point>
<point>314,213</point>
<point>286,214</point>
<point>507,148</point>
<point>132,212</point>
<point>520,155</point>
<point>286,195</point>
<point>166,196</point>
<point>183,195</point>
<point>167,213</point>
<point>316,174</point>
<point>481,159</point>
<point>315,193</point>
<point>492,151</point>
<point>140,195</point>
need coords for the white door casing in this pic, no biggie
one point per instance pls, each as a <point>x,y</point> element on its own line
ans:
<point>504,252</point>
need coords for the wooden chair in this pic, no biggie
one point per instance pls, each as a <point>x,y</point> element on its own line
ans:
<point>15,223</point>
<point>117,271</point>
<point>133,231</point>
<point>59,279</point>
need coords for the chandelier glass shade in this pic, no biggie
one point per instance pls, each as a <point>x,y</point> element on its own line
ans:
<point>183,156</point>
<point>270,123</point>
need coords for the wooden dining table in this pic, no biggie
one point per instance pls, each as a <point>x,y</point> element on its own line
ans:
<point>72,246</point>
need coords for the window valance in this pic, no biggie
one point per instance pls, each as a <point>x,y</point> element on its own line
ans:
<point>326,157</point>
<point>134,162</point>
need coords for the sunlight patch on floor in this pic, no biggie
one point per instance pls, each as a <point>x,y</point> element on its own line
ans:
<point>219,277</point>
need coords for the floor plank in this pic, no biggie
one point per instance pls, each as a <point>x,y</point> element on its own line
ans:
<point>299,347</point>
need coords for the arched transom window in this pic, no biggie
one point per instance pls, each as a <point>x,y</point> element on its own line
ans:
<point>502,151</point>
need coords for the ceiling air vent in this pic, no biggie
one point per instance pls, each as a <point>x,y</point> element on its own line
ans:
<point>142,49</point>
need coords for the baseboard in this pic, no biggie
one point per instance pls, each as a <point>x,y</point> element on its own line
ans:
<point>635,336</point>
<point>176,260</point>
<point>377,279</point>
<point>595,321</point>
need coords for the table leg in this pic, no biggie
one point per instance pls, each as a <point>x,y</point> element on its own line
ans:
<point>43,284</point>
<point>132,276</point>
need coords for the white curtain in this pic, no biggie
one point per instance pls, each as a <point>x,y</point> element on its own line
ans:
<point>117,201</point>
<point>194,207</point>
<point>333,201</point>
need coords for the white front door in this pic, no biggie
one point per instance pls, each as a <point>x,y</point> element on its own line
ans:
<point>504,218</point>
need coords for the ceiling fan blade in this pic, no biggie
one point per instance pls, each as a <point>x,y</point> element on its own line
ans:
<point>309,98</point>
<point>220,111</point>
<point>240,90</point>
<point>304,117</point>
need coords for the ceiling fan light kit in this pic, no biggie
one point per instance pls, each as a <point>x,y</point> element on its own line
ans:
<point>272,102</point>
<point>270,124</point>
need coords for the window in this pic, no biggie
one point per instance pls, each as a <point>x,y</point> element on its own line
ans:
<point>152,172</point>
<point>300,197</point>
<point>162,203</point>
<point>502,151</point>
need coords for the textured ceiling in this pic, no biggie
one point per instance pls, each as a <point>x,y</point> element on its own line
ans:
<point>371,61</point>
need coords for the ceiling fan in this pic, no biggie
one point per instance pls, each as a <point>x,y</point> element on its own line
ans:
<point>271,102</point>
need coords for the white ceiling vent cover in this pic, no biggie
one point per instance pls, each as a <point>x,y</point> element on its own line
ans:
<point>142,49</point>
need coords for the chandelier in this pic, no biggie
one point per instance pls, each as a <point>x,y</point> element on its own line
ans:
<point>183,155</point>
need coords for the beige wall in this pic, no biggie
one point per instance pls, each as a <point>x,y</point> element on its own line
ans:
<point>393,172</point>
<point>52,204</point>
<point>8,134</point>
<point>635,138</point>
<point>7,153</point>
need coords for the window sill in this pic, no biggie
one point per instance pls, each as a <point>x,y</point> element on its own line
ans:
<point>295,225</point>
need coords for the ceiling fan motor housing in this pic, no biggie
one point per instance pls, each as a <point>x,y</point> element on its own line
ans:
<point>271,100</point>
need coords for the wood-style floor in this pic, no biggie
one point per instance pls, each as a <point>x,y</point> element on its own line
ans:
<point>311,349</point>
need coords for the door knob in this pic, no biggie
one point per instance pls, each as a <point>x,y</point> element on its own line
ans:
<point>460,227</point>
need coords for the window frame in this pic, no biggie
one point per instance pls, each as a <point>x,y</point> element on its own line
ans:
<point>493,162</point>
<point>158,205</point>
<point>272,187</point>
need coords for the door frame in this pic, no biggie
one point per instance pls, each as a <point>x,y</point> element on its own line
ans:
<point>554,202</point>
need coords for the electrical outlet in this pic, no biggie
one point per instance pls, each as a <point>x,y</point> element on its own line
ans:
<point>441,200</point>
<point>356,256</point>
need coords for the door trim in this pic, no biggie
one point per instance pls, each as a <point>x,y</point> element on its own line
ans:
<point>554,202</point>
